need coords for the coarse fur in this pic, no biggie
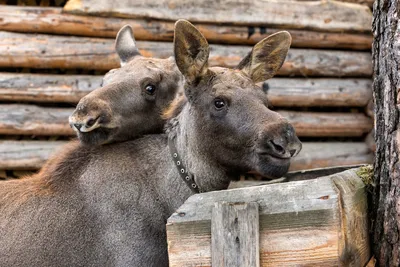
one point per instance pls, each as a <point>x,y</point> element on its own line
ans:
<point>110,204</point>
<point>125,107</point>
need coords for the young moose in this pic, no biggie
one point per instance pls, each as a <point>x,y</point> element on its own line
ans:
<point>112,207</point>
<point>131,99</point>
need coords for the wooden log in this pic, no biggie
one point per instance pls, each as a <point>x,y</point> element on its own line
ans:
<point>34,120</point>
<point>319,222</point>
<point>318,15</point>
<point>328,123</point>
<point>282,92</point>
<point>17,155</point>
<point>46,51</point>
<point>52,21</point>
<point>26,155</point>
<point>361,2</point>
<point>235,235</point>
<point>18,119</point>
<point>46,88</point>
<point>327,154</point>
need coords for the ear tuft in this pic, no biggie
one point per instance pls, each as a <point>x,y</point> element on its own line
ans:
<point>191,50</point>
<point>267,57</point>
<point>125,45</point>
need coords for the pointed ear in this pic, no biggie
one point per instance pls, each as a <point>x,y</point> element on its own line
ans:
<point>267,57</point>
<point>191,50</point>
<point>125,45</point>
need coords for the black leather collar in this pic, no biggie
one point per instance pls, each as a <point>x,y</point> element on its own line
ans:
<point>186,176</point>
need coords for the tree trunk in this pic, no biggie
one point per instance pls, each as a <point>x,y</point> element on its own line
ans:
<point>386,198</point>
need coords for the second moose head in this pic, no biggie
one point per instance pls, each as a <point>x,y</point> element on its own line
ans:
<point>131,99</point>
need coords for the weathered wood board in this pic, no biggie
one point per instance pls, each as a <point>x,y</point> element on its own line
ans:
<point>26,155</point>
<point>19,119</point>
<point>327,154</point>
<point>46,87</point>
<point>46,51</point>
<point>282,92</point>
<point>318,15</point>
<point>53,21</point>
<point>319,222</point>
<point>31,155</point>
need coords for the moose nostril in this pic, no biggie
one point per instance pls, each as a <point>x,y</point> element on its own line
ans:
<point>78,126</point>
<point>277,147</point>
<point>292,152</point>
<point>90,122</point>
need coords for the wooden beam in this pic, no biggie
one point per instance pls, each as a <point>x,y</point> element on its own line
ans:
<point>328,154</point>
<point>47,51</point>
<point>235,235</point>
<point>26,155</point>
<point>31,155</point>
<point>282,92</point>
<point>318,222</point>
<point>46,88</point>
<point>53,21</point>
<point>318,15</point>
<point>18,119</point>
<point>328,123</point>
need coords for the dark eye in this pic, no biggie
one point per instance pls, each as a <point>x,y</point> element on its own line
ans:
<point>219,103</point>
<point>150,89</point>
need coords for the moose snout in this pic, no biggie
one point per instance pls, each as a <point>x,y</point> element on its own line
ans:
<point>86,125</point>
<point>281,142</point>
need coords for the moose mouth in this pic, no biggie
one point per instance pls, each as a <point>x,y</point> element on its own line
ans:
<point>271,166</point>
<point>98,136</point>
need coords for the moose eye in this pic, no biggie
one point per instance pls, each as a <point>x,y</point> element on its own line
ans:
<point>219,103</point>
<point>150,89</point>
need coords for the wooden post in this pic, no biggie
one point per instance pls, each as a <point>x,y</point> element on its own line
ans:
<point>235,235</point>
<point>386,88</point>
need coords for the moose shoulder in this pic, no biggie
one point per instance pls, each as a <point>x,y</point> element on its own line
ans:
<point>112,209</point>
<point>131,99</point>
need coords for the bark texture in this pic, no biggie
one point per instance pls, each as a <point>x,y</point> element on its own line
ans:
<point>386,86</point>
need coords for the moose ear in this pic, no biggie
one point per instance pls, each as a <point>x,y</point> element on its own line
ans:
<point>191,50</point>
<point>125,45</point>
<point>267,57</point>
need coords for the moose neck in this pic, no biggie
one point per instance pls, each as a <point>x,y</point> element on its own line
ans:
<point>208,174</point>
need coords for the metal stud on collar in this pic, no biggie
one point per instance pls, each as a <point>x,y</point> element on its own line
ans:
<point>187,177</point>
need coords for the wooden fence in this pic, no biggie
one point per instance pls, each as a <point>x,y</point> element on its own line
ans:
<point>52,56</point>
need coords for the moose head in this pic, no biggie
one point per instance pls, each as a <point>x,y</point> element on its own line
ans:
<point>227,116</point>
<point>131,99</point>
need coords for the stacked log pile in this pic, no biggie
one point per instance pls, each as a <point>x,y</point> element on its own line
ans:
<point>50,57</point>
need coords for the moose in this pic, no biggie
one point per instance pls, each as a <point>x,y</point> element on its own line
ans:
<point>132,98</point>
<point>108,205</point>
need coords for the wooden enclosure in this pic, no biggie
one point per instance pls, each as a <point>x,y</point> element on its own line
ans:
<point>51,56</point>
<point>317,222</point>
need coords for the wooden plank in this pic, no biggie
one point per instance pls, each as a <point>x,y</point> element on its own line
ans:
<point>18,119</point>
<point>45,87</point>
<point>326,154</point>
<point>235,235</point>
<point>26,155</point>
<point>319,15</point>
<point>361,2</point>
<point>31,155</point>
<point>302,223</point>
<point>46,51</point>
<point>282,92</point>
<point>328,123</point>
<point>53,21</point>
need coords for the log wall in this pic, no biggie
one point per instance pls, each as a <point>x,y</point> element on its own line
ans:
<point>49,55</point>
